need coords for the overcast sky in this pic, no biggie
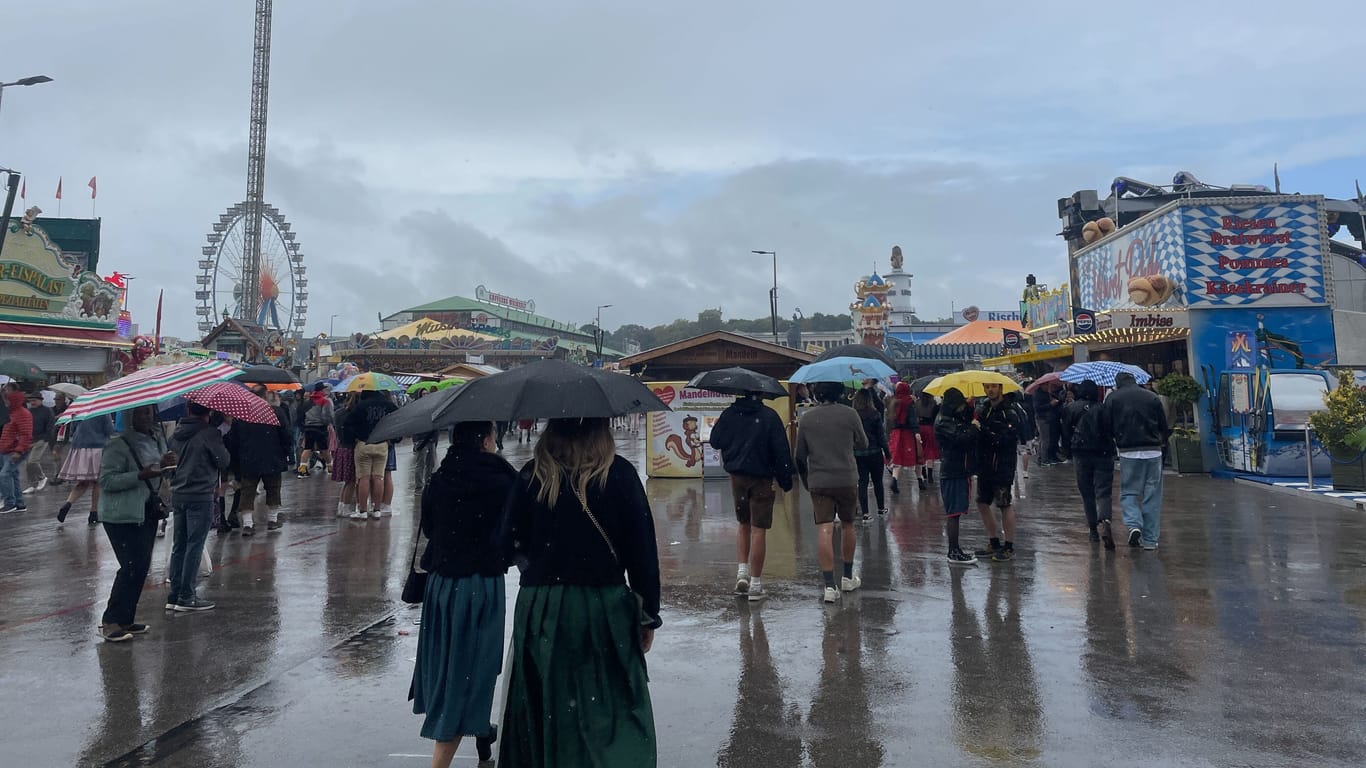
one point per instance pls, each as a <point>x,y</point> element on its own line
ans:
<point>633,153</point>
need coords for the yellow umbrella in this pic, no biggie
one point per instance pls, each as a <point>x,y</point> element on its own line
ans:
<point>970,383</point>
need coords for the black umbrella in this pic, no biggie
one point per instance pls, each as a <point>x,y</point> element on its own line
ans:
<point>857,350</point>
<point>549,389</point>
<point>415,417</point>
<point>21,370</point>
<point>738,381</point>
<point>919,384</point>
<point>266,374</point>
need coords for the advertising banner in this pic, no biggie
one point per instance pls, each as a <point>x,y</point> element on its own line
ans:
<point>1269,254</point>
<point>1137,267</point>
<point>676,440</point>
<point>1049,308</point>
<point>41,283</point>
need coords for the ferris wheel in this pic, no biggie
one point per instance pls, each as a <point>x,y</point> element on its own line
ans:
<point>282,287</point>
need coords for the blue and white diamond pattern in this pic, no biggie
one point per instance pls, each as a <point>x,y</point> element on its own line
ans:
<point>1158,241</point>
<point>1303,254</point>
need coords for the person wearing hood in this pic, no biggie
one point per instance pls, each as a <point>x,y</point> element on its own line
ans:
<point>755,453</point>
<point>131,469</point>
<point>203,459</point>
<point>1086,431</point>
<point>260,455</point>
<point>317,417</point>
<point>956,435</point>
<point>460,642</point>
<point>16,438</point>
<point>904,428</point>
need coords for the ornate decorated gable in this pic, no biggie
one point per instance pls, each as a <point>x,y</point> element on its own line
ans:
<point>40,283</point>
<point>870,310</point>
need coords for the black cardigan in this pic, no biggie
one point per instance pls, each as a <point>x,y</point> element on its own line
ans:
<point>561,546</point>
<point>461,510</point>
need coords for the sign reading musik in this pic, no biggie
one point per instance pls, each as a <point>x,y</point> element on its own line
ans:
<point>522,305</point>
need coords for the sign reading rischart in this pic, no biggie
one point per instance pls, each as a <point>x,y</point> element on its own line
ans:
<point>1268,254</point>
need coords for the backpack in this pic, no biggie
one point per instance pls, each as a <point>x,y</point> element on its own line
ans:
<point>315,416</point>
<point>1024,426</point>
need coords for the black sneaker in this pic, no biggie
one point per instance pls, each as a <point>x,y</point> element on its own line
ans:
<point>21,508</point>
<point>63,512</point>
<point>113,634</point>
<point>895,489</point>
<point>987,551</point>
<point>197,604</point>
<point>920,481</point>
<point>1003,555</point>
<point>959,557</point>
<point>1134,536</point>
<point>94,518</point>
<point>274,525</point>
<point>1094,536</point>
<point>867,517</point>
<point>1106,535</point>
<point>484,744</point>
<point>134,629</point>
<point>248,530</point>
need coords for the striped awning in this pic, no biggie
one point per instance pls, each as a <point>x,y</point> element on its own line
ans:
<point>148,387</point>
<point>406,379</point>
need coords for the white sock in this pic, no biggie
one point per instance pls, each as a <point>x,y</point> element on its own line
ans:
<point>754,585</point>
<point>273,514</point>
<point>246,520</point>
<point>742,570</point>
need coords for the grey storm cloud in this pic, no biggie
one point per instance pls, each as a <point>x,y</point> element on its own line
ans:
<point>635,153</point>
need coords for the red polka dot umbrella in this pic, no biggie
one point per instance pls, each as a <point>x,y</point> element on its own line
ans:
<point>236,401</point>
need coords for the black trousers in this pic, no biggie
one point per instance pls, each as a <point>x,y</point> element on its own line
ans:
<point>870,470</point>
<point>1096,482</point>
<point>132,544</point>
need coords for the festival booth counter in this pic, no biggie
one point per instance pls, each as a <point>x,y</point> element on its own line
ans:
<point>1239,292</point>
<point>677,439</point>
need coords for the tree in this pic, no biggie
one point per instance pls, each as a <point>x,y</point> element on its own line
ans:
<point>641,335</point>
<point>709,320</point>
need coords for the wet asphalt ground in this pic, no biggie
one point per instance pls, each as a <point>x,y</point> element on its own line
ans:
<point>1239,643</point>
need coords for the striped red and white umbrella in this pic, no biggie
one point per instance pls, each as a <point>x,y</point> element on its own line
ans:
<point>147,387</point>
<point>236,401</point>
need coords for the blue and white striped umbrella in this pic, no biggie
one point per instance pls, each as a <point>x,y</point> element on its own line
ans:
<point>1102,372</point>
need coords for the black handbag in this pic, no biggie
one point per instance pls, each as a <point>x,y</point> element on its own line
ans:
<point>415,586</point>
<point>154,510</point>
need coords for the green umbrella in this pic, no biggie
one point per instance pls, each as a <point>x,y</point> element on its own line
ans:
<point>21,370</point>
<point>448,383</point>
<point>422,386</point>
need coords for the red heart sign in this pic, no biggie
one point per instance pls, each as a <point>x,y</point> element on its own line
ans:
<point>665,394</point>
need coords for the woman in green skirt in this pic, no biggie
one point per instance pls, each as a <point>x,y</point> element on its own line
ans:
<point>460,644</point>
<point>579,526</point>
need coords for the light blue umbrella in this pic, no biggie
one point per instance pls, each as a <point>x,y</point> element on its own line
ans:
<point>1102,372</point>
<point>842,369</point>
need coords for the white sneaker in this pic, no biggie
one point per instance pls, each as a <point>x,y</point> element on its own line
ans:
<point>831,594</point>
<point>161,529</point>
<point>742,585</point>
<point>851,583</point>
<point>42,484</point>
<point>341,509</point>
<point>356,514</point>
<point>1025,474</point>
<point>377,512</point>
<point>31,489</point>
<point>756,591</point>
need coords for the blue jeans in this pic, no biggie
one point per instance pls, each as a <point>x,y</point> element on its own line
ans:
<point>192,522</point>
<point>1140,495</point>
<point>11,485</point>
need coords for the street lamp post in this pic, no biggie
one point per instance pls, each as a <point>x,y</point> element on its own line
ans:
<point>330,322</point>
<point>772,292</point>
<point>34,80</point>
<point>597,329</point>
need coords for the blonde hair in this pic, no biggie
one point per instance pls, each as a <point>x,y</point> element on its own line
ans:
<point>580,450</point>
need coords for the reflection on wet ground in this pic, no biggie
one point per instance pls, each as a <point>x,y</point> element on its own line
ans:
<point>1240,642</point>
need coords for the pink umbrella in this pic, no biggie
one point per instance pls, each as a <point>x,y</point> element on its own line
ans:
<point>1044,379</point>
<point>236,401</point>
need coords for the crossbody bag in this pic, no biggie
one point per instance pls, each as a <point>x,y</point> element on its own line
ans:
<point>154,509</point>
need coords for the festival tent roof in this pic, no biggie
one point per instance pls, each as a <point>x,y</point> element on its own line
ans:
<point>427,329</point>
<point>978,332</point>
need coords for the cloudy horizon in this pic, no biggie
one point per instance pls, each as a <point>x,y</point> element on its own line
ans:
<point>634,154</point>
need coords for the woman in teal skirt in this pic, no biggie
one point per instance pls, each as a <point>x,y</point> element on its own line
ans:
<point>579,527</point>
<point>460,644</point>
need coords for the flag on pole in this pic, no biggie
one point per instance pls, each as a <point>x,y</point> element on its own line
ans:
<point>92,187</point>
<point>59,187</point>
<point>156,340</point>
<point>23,189</point>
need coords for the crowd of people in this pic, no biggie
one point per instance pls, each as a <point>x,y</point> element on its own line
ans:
<point>846,440</point>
